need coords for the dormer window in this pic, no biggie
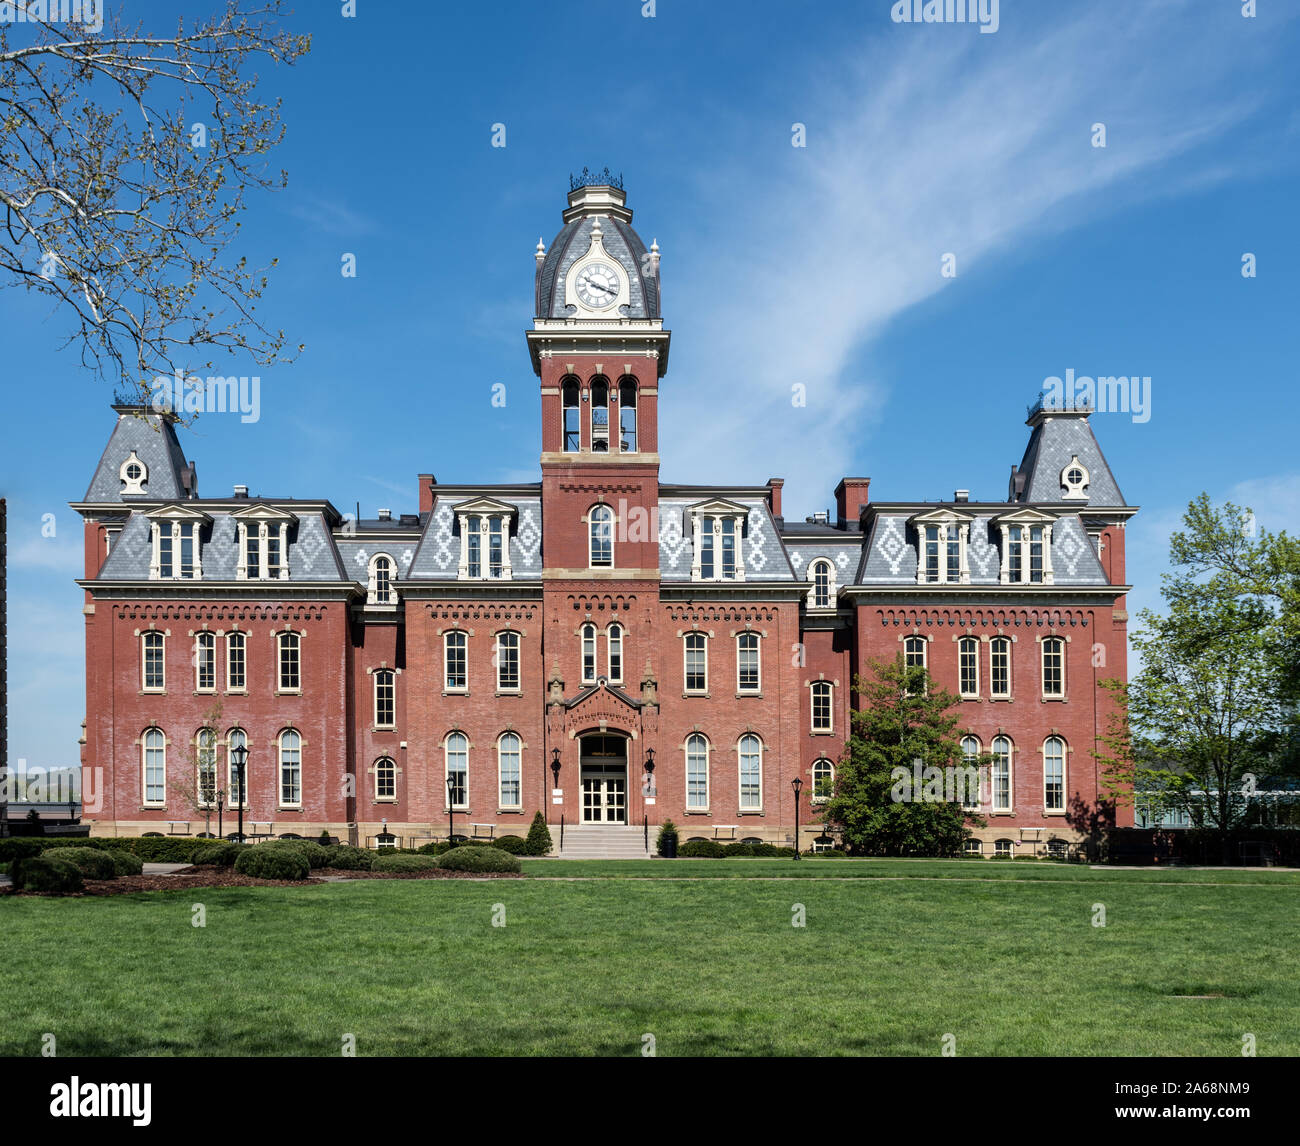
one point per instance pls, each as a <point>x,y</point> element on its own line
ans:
<point>134,474</point>
<point>822,594</point>
<point>263,537</point>
<point>177,548</point>
<point>943,537</point>
<point>718,531</point>
<point>379,590</point>
<point>1074,481</point>
<point>484,539</point>
<point>1026,549</point>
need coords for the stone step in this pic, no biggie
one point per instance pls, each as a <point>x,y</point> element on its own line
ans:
<point>601,841</point>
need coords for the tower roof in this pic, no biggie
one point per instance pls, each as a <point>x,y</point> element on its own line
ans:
<point>147,437</point>
<point>1061,440</point>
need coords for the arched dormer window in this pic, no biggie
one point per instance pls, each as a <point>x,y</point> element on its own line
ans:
<point>599,415</point>
<point>380,589</point>
<point>600,525</point>
<point>627,416</point>
<point>1074,481</point>
<point>571,403</point>
<point>822,573</point>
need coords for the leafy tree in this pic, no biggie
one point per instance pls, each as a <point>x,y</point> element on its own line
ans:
<point>125,158</point>
<point>186,787</point>
<point>538,841</point>
<point>1210,717</point>
<point>905,720</point>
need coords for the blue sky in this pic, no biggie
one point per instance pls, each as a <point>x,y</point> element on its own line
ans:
<point>818,265</point>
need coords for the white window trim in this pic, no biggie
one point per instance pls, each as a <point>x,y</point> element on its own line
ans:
<point>519,804</point>
<point>718,511</point>
<point>1075,492</point>
<point>279,769</point>
<point>1065,774</point>
<point>812,707</point>
<point>951,528</point>
<point>446,770</point>
<point>960,641</point>
<point>460,689</point>
<point>613,524</point>
<point>831,588</point>
<point>609,651</point>
<point>758,649</point>
<point>375,769</point>
<point>144,768</point>
<point>993,676</point>
<point>278,636</point>
<point>132,485</point>
<point>583,630</point>
<point>708,773</point>
<point>812,772</point>
<point>372,582</point>
<point>686,687</point>
<point>198,685</point>
<point>263,539</point>
<point>154,690</point>
<point>979,748</point>
<point>374,693</point>
<point>1026,520</point>
<point>1011,777</point>
<point>485,509</point>
<point>740,781</point>
<point>1042,667</point>
<point>230,767</point>
<point>242,690</point>
<point>198,771</point>
<point>519,659</point>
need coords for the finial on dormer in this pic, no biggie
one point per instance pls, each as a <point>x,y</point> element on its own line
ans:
<point>541,252</point>
<point>596,232</point>
<point>654,258</point>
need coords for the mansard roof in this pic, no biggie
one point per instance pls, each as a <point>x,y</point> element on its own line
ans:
<point>1058,437</point>
<point>621,242</point>
<point>151,436</point>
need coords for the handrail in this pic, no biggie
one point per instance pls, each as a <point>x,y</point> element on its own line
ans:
<point>645,820</point>
<point>561,831</point>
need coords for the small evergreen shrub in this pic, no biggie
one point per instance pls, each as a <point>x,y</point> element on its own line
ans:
<point>435,849</point>
<point>347,858</point>
<point>401,863</point>
<point>667,831</point>
<point>46,874</point>
<point>124,863</point>
<point>515,845</point>
<point>91,862</point>
<point>701,849</point>
<point>221,854</point>
<point>272,863</point>
<point>478,859</point>
<point>325,839</point>
<point>539,837</point>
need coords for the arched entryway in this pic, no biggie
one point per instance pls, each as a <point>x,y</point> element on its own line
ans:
<point>603,776</point>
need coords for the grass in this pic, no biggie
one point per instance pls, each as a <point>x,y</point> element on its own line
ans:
<point>1004,958</point>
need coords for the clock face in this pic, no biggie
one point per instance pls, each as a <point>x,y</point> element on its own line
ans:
<point>598,285</point>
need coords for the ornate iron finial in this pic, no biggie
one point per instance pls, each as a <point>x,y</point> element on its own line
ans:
<point>589,178</point>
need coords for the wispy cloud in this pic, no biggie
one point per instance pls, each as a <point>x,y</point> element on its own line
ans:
<point>924,143</point>
<point>332,217</point>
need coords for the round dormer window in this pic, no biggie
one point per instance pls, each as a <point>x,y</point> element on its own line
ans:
<point>1074,479</point>
<point>134,473</point>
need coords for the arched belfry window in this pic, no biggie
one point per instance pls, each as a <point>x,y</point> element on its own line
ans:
<point>627,416</point>
<point>599,415</point>
<point>601,536</point>
<point>572,433</point>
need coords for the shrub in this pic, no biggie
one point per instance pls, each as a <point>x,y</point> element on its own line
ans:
<point>404,863</point>
<point>272,863</point>
<point>347,858</point>
<point>20,847</point>
<point>312,852</point>
<point>151,849</point>
<point>667,831</point>
<point>539,837</point>
<point>738,849</point>
<point>701,849</point>
<point>91,862</point>
<point>124,863</point>
<point>46,874</point>
<point>325,839</point>
<point>222,854</point>
<point>515,845</point>
<point>435,849</point>
<point>832,853</point>
<point>478,859</point>
<point>4,869</point>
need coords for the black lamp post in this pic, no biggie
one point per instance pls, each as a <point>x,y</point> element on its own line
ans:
<point>451,809</point>
<point>797,785</point>
<point>239,757</point>
<point>555,766</point>
<point>649,771</point>
<point>221,801</point>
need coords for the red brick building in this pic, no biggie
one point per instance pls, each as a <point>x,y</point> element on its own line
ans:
<point>597,645</point>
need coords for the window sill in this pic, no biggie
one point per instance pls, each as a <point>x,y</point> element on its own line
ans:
<point>288,807</point>
<point>455,692</point>
<point>1053,812</point>
<point>204,692</point>
<point>383,728</point>
<point>703,695</point>
<point>288,692</point>
<point>751,812</point>
<point>744,695</point>
<point>236,692</point>
<point>1053,699</point>
<point>519,811</point>
<point>822,732</point>
<point>152,692</point>
<point>510,692</point>
<point>697,812</point>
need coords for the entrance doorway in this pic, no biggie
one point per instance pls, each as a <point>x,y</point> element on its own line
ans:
<point>604,780</point>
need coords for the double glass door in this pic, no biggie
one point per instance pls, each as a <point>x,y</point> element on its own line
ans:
<point>604,794</point>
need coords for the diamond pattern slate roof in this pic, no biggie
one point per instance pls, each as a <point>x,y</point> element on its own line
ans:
<point>764,555</point>
<point>1054,441</point>
<point>153,438</point>
<point>845,556</point>
<point>438,556</point>
<point>573,241</point>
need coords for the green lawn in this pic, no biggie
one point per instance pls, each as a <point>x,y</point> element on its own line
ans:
<point>1004,958</point>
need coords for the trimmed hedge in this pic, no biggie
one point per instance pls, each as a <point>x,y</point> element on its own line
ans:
<point>46,874</point>
<point>313,853</point>
<point>833,854</point>
<point>478,859</point>
<point>404,863</point>
<point>20,847</point>
<point>272,863</point>
<point>93,863</point>
<point>347,858</point>
<point>515,845</point>
<point>440,848</point>
<point>221,854</point>
<point>151,849</point>
<point>701,849</point>
<point>124,863</point>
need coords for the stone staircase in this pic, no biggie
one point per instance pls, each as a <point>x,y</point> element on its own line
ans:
<point>602,841</point>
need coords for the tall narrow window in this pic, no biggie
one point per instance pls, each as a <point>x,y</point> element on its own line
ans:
<point>968,658</point>
<point>153,666</point>
<point>385,779</point>
<point>1015,551</point>
<point>508,662</point>
<point>748,669</point>
<point>1036,553</point>
<point>205,746</point>
<point>155,767</point>
<point>572,433</point>
<point>253,554</point>
<point>290,769</point>
<point>969,789</point>
<point>1053,667</point>
<point>205,662</point>
<point>914,653</point>
<point>457,754</point>
<point>508,753</point>
<point>697,773</point>
<point>236,794</point>
<point>176,550</point>
<point>274,558</point>
<point>455,657</point>
<point>290,662</point>
<point>614,637</point>
<point>823,778</point>
<point>385,698</point>
<point>474,540</point>
<point>588,654</point>
<point>932,540</point>
<point>627,415</point>
<point>236,662</point>
<point>751,773</point>
<point>1054,774</point>
<point>706,550</point>
<point>601,528</point>
<point>166,551</point>
<point>697,662</point>
<point>381,579</point>
<point>1000,666</point>
<point>822,712</point>
<point>599,416</point>
<point>1001,774</point>
<point>728,547</point>
<point>496,546</point>
<point>821,579</point>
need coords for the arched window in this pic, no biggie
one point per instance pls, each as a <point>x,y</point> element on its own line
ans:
<point>823,719</point>
<point>823,781</point>
<point>153,662</point>
<point>599,415</point>
<point>385,779</point>
<point>823,579</point>
<point>455,645</point>
<point>749,675</point>
<point>235,795</point>
<point>381,580</point>
<point>1054,774</point>
<point>973,847</point>
<point>205,747</point>
<point>507,662</point>
<point>456,751</point>
<point>1001,774</point>
<point>601,535</point>
<point>627,415</point>
<point>290,661</point>
<point>1002,849</point>
<point>572,433</point>
<point>236,662</point>
<point>968,664</point>
<point>155,767</point>
<point>508,757</point>
<point>290,769</point>
<point>914,654</point>
<point>614,638</point>
<point>205,662</point>
<point>385,698</point>
<point>969,788</point>
<point>1054,666</point>
<point>1000,667</point>
<point>588,654</point>
<point>696,653</point>
<point>751,773</point>
<point>697,773</point>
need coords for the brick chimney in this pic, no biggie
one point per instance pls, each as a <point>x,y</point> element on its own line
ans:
<point>850,497</point>
<point>427,482</point>
<point>774,486</point>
